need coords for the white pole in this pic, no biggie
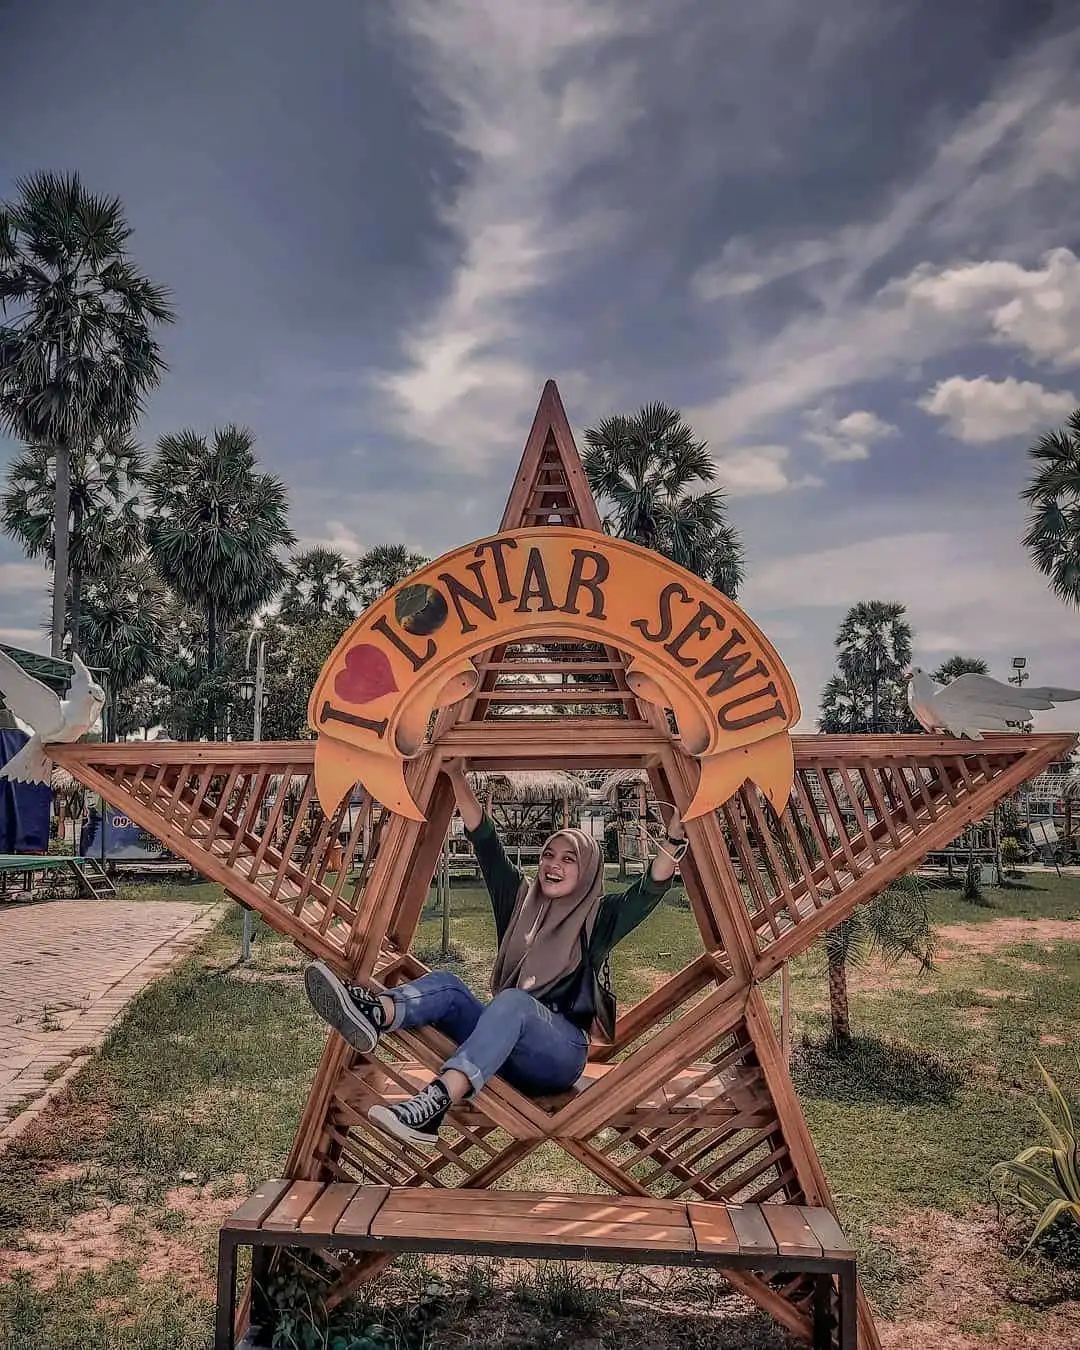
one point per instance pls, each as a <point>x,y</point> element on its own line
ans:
<point>256,735</point>
<point>444,890</point>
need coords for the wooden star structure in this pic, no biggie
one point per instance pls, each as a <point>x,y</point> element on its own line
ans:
<point>693,1100</point>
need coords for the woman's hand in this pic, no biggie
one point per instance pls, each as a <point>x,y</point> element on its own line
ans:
<point>665,862</point>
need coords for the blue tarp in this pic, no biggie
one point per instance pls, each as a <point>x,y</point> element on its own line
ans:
<point>123,838</point>
<point>24,807</point>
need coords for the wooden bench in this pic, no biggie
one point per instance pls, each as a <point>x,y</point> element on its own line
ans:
<point>336,1216</point>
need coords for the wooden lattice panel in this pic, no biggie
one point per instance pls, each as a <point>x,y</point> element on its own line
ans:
<point>247,817</point>
<point>863,812</point>
<point>526,680</point>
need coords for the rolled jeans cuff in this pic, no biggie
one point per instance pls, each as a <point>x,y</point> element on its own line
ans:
<point>399,998</point>
<point>464,1065</point>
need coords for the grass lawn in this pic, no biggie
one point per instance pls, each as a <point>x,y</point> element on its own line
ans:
<point>109,1204</point>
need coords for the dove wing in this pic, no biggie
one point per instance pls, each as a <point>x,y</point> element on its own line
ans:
<point>29,699</point>
<point>981,701</point>
<point>1052,695</point>
<point>79,688</point>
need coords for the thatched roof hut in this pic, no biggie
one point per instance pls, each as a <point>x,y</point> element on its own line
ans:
<point>621,778</point>
<point>528,787</point>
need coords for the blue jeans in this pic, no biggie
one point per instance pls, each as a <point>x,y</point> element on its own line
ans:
<point>534,1049</point>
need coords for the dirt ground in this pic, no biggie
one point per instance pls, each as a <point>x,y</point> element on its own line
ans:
<point>960,1299</point>
<point>990,937</point>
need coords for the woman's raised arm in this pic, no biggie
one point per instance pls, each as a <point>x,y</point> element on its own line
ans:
<point>670,851</point>
<point>472,812</point>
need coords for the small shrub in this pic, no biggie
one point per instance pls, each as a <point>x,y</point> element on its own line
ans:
<point>557,1289</point>
<point>1012,855</point>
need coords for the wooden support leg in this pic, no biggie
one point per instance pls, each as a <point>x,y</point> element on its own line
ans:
<point>262,1261</point>
<point>823,1287</point>
<point>849,1308</point>
<point>226,1293</point>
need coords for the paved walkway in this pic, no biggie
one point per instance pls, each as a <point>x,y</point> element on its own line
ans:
<point>67,968</point>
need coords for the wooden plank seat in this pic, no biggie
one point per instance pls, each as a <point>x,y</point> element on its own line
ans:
<point>766,1239</point>
<point>685,1092</point>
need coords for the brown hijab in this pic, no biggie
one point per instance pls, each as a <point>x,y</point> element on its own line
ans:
<point>542,942</point>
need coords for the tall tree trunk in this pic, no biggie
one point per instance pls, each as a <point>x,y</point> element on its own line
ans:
<point>211,665</point>
<point>838,995</point>
<point>61,508</point>
<point>75,608</point>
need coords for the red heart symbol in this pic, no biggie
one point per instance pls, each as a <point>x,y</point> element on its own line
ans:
<point>366,677</point>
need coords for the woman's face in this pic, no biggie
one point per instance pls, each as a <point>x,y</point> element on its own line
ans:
<point>559,869</point>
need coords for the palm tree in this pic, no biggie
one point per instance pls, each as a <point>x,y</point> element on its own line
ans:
<point>874,643</point>
<point>1053,538</point>
<point>843,705</point>
<point>893,925</point>
<point>383,567</point>
<point>322,584</point>
<point>77,352</point>
<point>214,527</point>
<point>105,526</point>
<point>649,468</point>
<point>956,666</point>
<point>124,625</point>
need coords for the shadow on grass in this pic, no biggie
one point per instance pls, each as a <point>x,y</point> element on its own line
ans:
<point>486,1305</point>
<point>872,1070</point>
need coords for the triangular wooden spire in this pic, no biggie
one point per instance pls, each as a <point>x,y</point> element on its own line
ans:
<point>550,487</point>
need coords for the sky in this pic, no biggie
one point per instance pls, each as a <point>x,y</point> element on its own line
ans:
<point>841,237</point>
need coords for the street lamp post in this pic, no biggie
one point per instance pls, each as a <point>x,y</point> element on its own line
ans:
<point>1018,678</point>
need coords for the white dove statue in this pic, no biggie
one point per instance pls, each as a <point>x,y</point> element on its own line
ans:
<point>972,704</point>
<point>48,719</point>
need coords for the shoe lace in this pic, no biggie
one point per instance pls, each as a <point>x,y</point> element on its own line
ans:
<point>424,1106</point>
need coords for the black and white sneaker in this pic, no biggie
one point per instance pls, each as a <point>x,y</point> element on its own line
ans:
<point>416,1120</point>
<point>354,1013</point>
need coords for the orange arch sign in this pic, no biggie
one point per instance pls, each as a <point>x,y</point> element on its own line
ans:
<point>689,649</point>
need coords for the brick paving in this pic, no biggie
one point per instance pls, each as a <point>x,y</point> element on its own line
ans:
<point>67,969</point>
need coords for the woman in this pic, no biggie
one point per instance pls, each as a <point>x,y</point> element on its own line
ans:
<point>554,934</point>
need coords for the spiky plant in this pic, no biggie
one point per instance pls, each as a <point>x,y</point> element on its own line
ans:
<point>1050,1190</point>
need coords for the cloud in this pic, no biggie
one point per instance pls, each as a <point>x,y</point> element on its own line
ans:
<point>982,410</point>
<point>29,639</point>
<point>1037,309</point>
<point>527,101</point>
<point>962,594</point>
<point>22,577</point>
<point>339,536</point>
<point>864,321</point>
<point>753,469</point>
<point>741,271</point>
<point>848,437</point>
